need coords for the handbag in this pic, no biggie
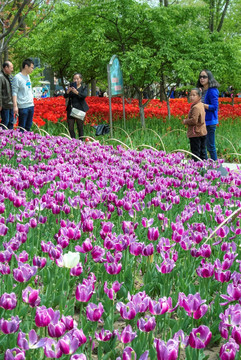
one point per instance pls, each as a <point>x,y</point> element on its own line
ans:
<point>77,114</point>
<point>102,129</point>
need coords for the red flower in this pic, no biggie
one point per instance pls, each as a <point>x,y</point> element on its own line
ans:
<point>54,109</point>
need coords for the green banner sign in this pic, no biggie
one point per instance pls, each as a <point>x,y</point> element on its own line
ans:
<point>115,77</point>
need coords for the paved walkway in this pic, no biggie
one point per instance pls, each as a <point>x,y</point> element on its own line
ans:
<point>231,166</point>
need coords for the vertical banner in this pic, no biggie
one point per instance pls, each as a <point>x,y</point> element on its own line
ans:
<point>116,77</point>
<point>115,85</point>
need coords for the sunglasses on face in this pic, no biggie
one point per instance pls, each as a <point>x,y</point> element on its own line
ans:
<point>203,77</point>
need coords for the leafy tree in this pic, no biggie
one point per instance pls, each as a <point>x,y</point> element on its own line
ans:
<point>218,10</point>
<point>232,24</point>
<point>68,43</point>
<point>168,43</point>
<point>17,19</point>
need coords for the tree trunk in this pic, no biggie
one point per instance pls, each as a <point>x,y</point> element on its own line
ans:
<point>163,96</point>
<point>5,54</point>
<point>88,89</point>
<point>22,26</point>
<point>168,108</point>
<point>61,76</point>
<point>2,49</point>
<point>164,3</point>
<point>1,58</point>
<point>93,87</point>
<point>223,15</point>
<point>211,16</point>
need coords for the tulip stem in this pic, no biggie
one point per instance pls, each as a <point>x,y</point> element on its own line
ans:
<point>179,350</point>
<point>150,339</point>
<point>191,353</point>
<point>92,340</point>
<point>80,314</point>
<point>134,275</point>
<point>112,314</point>
<point>19,303</point>
<point>32,317</point>
<point>90,350</point>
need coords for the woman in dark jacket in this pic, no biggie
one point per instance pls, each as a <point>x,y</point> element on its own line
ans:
<point>210,95</point>
<point>76,94</point>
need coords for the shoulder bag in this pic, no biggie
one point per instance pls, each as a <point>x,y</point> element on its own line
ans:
<point>76,113</point>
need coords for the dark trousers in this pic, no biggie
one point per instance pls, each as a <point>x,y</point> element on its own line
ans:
<point>80,126</point>
<point>198,147</point>
<point>25,119</point>
<point>7,118</point>
<point>211,142</point>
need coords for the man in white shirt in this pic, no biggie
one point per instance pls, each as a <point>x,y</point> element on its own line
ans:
<point>23,105</point>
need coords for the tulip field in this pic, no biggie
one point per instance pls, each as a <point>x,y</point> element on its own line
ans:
<point>113,253</point>
<point>53,109</point>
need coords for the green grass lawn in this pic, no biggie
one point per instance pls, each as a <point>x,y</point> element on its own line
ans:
<point>167,135</point>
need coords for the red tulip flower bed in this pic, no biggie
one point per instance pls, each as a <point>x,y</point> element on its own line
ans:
<point>54,109</point>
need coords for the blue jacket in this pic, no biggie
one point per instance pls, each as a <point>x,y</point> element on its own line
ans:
<point>211,98</point>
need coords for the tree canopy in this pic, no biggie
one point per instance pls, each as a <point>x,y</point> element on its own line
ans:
<point>18,19</point>
<point>165,44</point>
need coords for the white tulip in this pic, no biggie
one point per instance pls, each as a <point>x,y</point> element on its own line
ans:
<point>71,259</point>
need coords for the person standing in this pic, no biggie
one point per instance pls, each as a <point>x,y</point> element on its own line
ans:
<point>210,96</point>
<point>76,94</point>
<point>196,125</point>
<point>23,105</point>
<point>6,102</point>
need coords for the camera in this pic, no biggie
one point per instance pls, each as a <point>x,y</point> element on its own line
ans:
<point>73,84</point>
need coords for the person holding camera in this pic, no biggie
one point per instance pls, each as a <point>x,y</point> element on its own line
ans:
<point>76,94</point>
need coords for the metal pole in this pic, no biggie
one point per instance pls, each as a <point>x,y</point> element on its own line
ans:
<point>124,112</point>
<point>109,93</point>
